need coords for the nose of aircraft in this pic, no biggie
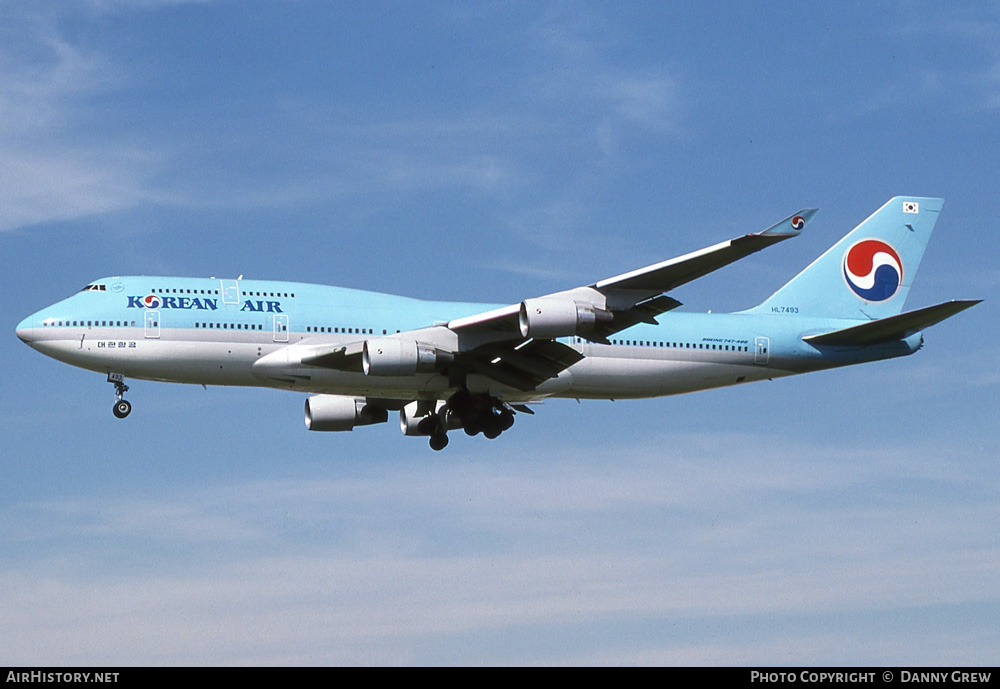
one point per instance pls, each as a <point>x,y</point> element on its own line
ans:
<point>24,329</point>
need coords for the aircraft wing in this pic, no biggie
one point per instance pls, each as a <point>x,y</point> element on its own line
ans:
<point>665,276</point>
<point>523,365</point>
<point>635,297</point>
<point>516,345</point>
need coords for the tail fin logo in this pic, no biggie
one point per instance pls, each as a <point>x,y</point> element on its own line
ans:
<point>873,270</point>
<point>798,222</point>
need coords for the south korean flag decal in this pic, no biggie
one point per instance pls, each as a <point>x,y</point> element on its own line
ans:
<point>911,207</point>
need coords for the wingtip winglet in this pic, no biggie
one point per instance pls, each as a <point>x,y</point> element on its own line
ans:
<point>792,225</point>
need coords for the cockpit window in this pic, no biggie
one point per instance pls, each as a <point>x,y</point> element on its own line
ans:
<point>95,288</point>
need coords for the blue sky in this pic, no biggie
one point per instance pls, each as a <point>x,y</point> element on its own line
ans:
<point>491,152</point>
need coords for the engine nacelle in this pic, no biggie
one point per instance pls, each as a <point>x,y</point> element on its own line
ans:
<point>387,356</point>
<point>340,413</point>
<point>548,317</point>
<point>441,417</point>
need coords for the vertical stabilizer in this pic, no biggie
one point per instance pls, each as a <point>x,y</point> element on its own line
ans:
<point>868,273</point>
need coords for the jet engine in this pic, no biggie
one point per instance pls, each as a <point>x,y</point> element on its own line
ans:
<point>387,356</point>
<point>429,423</point>
<point>548,317</point>
<point>340,413</point>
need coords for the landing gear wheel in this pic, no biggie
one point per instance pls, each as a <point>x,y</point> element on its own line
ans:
<point>439,441</point>
<point>122,408</point>
<point>506,420</point>
<point>493,429</point>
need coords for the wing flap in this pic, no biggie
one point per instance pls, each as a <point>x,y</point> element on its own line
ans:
<point>892,328</point>
<point>524,367</point>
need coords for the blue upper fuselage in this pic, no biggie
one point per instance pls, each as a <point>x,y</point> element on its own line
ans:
<point>189,303</point>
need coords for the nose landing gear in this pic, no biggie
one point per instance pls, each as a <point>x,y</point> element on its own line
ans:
<point>122,406</point>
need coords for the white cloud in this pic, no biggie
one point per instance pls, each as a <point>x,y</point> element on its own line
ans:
<point>58,162</point>
<point>406,561</point>
<point>43,184</point>
<point>65,162</point>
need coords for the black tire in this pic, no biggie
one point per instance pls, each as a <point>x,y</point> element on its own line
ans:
<point>122,409</point>
<point>506,420</point>
<point>439,441</point>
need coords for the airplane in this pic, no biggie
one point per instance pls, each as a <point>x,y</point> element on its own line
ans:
<point>449,365</point>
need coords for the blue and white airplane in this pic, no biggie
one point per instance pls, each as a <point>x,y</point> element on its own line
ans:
<point>448,365</point>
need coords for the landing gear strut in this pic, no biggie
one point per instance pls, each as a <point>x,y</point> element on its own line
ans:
<point>436,425</point>
<point>122,406</point>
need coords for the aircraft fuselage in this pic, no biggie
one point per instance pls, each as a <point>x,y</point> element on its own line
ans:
<point>227,332</point>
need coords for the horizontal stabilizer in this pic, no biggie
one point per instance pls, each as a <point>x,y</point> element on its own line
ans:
<point>892,328</point>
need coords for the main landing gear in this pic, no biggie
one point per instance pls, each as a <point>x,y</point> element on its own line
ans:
<point>472,413</point>
<point>122,406</point>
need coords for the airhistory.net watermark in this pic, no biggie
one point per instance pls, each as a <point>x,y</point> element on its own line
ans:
<point>62,677</point>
